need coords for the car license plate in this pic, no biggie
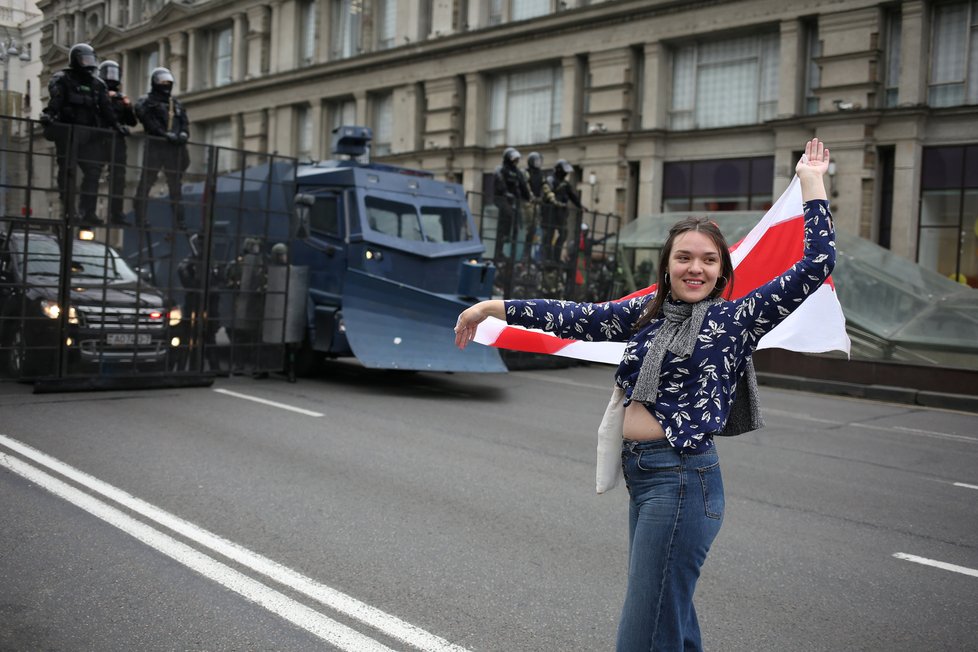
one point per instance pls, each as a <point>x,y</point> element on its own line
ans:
<point>128,339</point>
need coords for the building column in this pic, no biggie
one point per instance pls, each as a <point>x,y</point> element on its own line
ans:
<point>441,127</point>
<point>134,85</point>
<point>363,115</point>
<point>476,111</point>
<point>178,60</point>
<point>257,46</point>
<point>275,37</point>
<point>792,67</point>
<point>406,101</point>
<point>163,51</point>
<point>192,49</point>
<point>656,96</point>
<point>914,54</point>
<point>239,48</point>
<point>573,83</point>
<point>608,103</point>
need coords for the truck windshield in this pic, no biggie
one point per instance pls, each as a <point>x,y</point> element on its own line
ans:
<point>436,223</point>
<point>445,224</point>
<point>393,218</point>
<point>91,262</point>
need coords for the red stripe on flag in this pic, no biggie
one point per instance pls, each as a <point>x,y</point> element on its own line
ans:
<point>780,247</point>
<point>521,340</point>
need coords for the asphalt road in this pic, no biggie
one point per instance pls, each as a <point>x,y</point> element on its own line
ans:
<point>457,512</point>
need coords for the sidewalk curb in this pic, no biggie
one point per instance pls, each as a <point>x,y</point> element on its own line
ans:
<point>908,395</point>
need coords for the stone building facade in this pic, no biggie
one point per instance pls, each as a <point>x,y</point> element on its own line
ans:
<point>661,105</point>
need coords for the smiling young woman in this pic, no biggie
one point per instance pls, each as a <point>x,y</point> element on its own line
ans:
<point>686,376</point>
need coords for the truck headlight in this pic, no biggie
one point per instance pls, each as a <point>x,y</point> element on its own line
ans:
<point>175,316</point>
<point>53,310</point>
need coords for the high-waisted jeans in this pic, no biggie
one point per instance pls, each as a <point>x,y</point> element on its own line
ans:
<point>675,512</point>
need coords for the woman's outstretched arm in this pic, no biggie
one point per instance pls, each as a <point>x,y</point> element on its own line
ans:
<point>811,168</point>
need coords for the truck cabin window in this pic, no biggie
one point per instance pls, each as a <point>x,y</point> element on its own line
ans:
<point>445,224</point>
<point>324,216</point>
<point>393,218</point>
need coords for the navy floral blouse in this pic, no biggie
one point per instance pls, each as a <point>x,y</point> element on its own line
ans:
<point>695,393</point>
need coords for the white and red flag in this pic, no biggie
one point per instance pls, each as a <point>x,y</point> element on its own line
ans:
<point>772,246</point>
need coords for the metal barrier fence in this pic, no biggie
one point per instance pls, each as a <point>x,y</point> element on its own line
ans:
<point>547,251</point>
<point>133,256</point>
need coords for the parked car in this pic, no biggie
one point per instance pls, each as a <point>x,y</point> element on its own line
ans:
<point>116,320</point>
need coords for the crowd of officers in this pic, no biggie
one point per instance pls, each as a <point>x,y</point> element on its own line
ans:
<point>88,117</point>
<point>534,207</point>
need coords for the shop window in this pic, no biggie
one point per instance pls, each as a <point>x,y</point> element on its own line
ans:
<point>718,185</point>
<point>947,239</point>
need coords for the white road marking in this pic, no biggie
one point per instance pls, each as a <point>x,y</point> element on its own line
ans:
<point>265,401</point>
<point>966,486</point>
<point>312,621</point>
<point>345,604</point>
<point>936,564</point>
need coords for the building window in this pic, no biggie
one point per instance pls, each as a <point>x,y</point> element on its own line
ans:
<point>308,31</point>
<point>503,11</point>
<point>894,38</point>
<point>345,31</point>
<point>525,9</point>
<point>424,19</point>
<point>947,241</point>
<point>221,45</point>
<point>735,184</point>
<point>303,133</point>
<point>525,106</point>
<point>723,83</point>
<point>151,61</point>
<point>813,72</point>
<point>386,24</point>
<point>954,55</point>
<point>382,122</point>
<point>218,134</point>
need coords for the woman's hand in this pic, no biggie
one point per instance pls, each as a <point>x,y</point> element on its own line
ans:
<point>815,162</point>
<point>810,169</point>
<point>471,317</point>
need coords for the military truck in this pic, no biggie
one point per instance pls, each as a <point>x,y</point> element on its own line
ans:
<point>383,258</point>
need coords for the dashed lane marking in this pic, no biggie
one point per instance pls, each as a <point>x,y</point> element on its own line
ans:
<point>265,401</point>
<point>936,564</point>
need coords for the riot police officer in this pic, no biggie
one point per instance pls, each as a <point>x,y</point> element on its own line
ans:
<point>558,193</point>
<point>509,190</point>
<point>115,144</point>
<point>78,107</point>
<point>536,182</point>
<point>165,121</point>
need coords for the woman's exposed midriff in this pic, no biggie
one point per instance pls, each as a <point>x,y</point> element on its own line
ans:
<point>640,425</point>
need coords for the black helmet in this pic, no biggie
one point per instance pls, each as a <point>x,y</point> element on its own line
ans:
<point>511,156</point>
<point>534,160</point>
<point>161,81</point>
<point>563,168</point>
<point>110,73</point>
<point>81,57</point>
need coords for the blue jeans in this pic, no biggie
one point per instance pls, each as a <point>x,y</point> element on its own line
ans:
<point>675,512</point>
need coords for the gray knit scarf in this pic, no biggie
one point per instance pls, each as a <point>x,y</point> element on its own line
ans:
<point>678,335</point>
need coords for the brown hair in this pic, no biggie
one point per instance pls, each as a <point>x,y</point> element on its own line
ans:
<point>653,309</point>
